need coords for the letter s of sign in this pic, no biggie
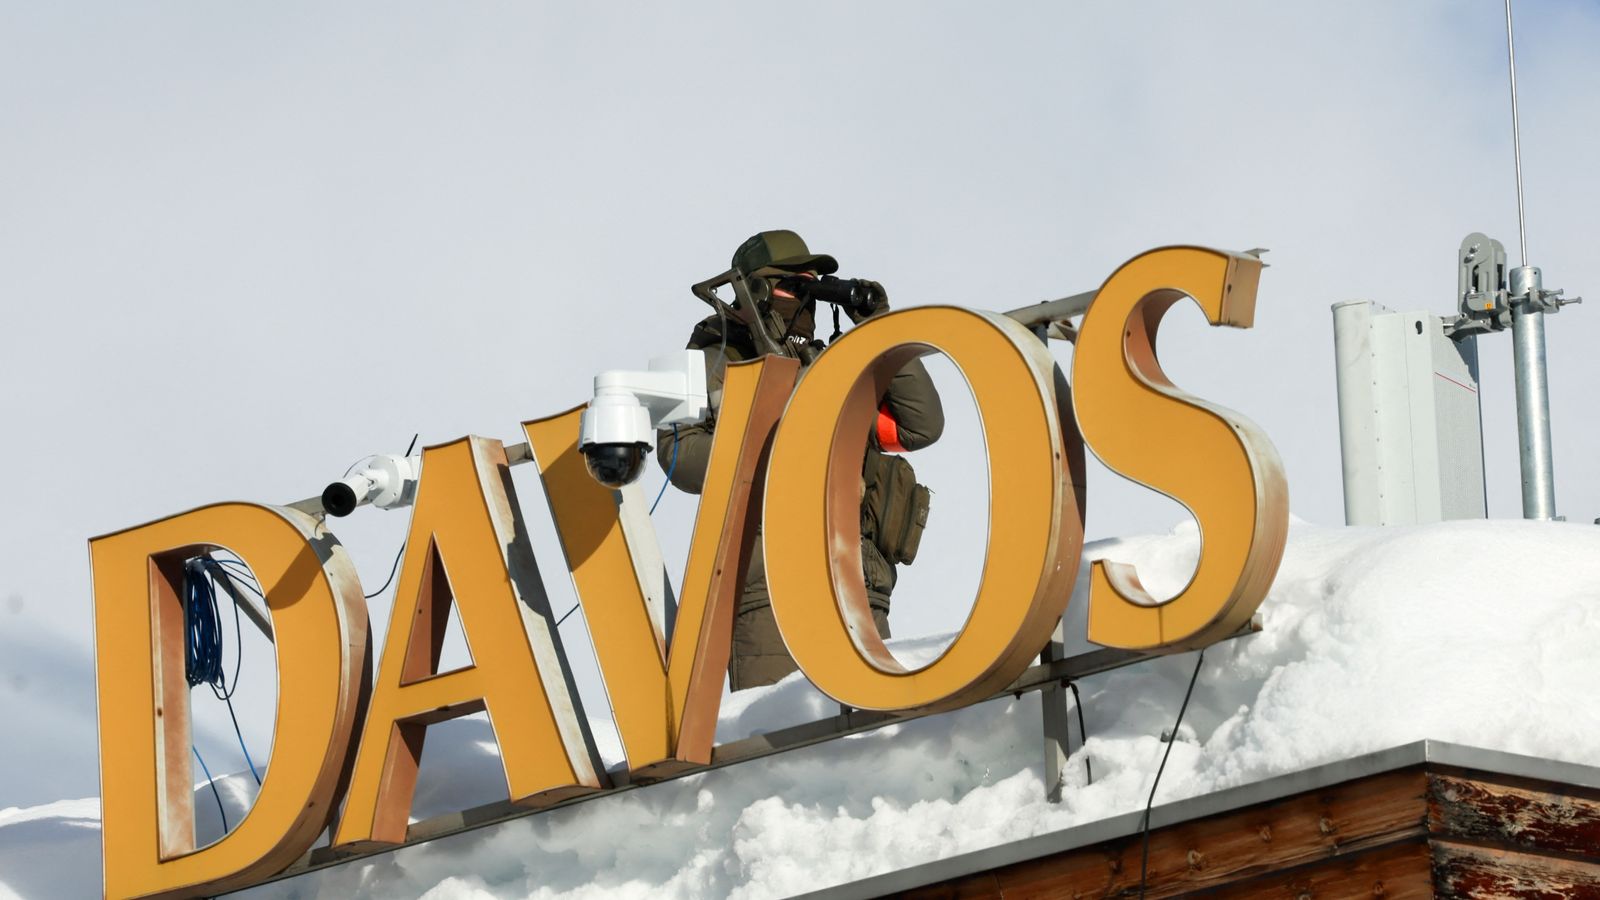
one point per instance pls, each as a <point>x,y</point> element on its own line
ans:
<point>319,624</point>
<point>1210,459</point>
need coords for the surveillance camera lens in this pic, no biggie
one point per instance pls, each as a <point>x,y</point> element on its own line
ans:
<point>615,465</point>
<point>339,499</point>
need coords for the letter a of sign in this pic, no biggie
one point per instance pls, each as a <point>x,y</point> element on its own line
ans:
<point>666,698</point>
<point>1212,460</point>
<point>319,626</point>
<point>466,543</point>
<point>812,518</point>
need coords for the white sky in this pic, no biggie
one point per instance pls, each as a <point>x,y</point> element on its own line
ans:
<point>242,246</point>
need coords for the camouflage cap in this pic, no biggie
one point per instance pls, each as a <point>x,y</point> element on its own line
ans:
<point>781,250</point>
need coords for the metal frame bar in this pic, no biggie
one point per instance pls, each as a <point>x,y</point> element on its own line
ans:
<point>1055,312</point>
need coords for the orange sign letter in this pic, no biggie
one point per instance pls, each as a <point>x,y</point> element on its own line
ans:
<point>1210,459</point>
<point>319,623</point>
<point>666,703</point>
<point>466,544</point>
<point>812,522</point>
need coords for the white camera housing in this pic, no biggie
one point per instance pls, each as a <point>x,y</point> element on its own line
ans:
<point>619,426</point>
<point>386,481</point>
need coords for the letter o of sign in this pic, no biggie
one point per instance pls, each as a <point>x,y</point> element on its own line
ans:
<point>812,516</point>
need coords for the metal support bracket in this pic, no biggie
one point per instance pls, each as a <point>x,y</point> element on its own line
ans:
<point>1053,694</point>
<point>1057,722</point>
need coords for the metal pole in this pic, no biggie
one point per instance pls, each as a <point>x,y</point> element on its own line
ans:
<point>1533,396</point>
<point>1527,339</point>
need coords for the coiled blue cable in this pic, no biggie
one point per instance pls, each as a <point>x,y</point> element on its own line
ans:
<point>202,651</point>
<point>203,654</point>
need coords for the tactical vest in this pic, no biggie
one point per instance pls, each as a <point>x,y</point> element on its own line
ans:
<point>894,507</point>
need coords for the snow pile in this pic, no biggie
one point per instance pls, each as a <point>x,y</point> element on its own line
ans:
<point>1479,633</point>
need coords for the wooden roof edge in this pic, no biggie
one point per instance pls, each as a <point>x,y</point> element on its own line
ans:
<point>1423,753</point>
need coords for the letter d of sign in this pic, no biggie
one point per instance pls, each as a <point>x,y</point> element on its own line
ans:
<point>1210,459</point>
<point>812,520</point>
<point>319,626</point>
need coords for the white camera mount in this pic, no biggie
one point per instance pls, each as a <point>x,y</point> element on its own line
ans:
<point>619,425</point>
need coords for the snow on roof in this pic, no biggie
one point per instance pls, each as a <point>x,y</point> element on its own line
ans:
<point>1482,633</point>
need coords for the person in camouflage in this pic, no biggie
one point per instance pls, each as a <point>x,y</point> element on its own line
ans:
<point>910,417</point>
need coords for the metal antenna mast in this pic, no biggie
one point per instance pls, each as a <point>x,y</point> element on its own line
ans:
<point>1492,298</point>
<point>1527,301</point>
<point>1516,135</point>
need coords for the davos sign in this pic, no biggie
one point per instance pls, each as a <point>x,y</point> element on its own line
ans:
<point>787,454</point>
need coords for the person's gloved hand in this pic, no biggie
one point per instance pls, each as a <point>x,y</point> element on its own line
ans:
<point>876,302</point>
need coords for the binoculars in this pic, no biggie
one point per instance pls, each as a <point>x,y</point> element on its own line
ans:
<point>850,293</point>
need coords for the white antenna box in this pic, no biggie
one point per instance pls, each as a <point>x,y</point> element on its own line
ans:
<point>1410,428</point>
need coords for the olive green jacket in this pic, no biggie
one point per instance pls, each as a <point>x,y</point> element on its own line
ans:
<point>911,399</point>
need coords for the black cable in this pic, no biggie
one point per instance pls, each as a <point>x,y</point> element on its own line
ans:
<point>240,734</point>
<point>226,692</point>
<point>567,613</point>
<point>213,569</point>
<point>1144,825</point>
<point>243,570</point>
<point>1083,731</point>
<point>392,569</point>
<point>401,552</point>
<point>671,467</point>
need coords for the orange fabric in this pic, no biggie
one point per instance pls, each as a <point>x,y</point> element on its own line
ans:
<point>888,430</point>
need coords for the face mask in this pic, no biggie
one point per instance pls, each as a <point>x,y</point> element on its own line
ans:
<point>801,317</point>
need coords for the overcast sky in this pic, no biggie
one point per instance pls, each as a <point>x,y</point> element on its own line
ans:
<point>242,246</point>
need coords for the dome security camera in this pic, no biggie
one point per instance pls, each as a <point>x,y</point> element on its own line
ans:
<point>619,425</point>
<point>615,465</point>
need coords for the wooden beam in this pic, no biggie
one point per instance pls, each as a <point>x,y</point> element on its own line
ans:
<point>1393,872</point>
<point>1531,817</point>
<point>1312,838</point>
<point>1466,870</point>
